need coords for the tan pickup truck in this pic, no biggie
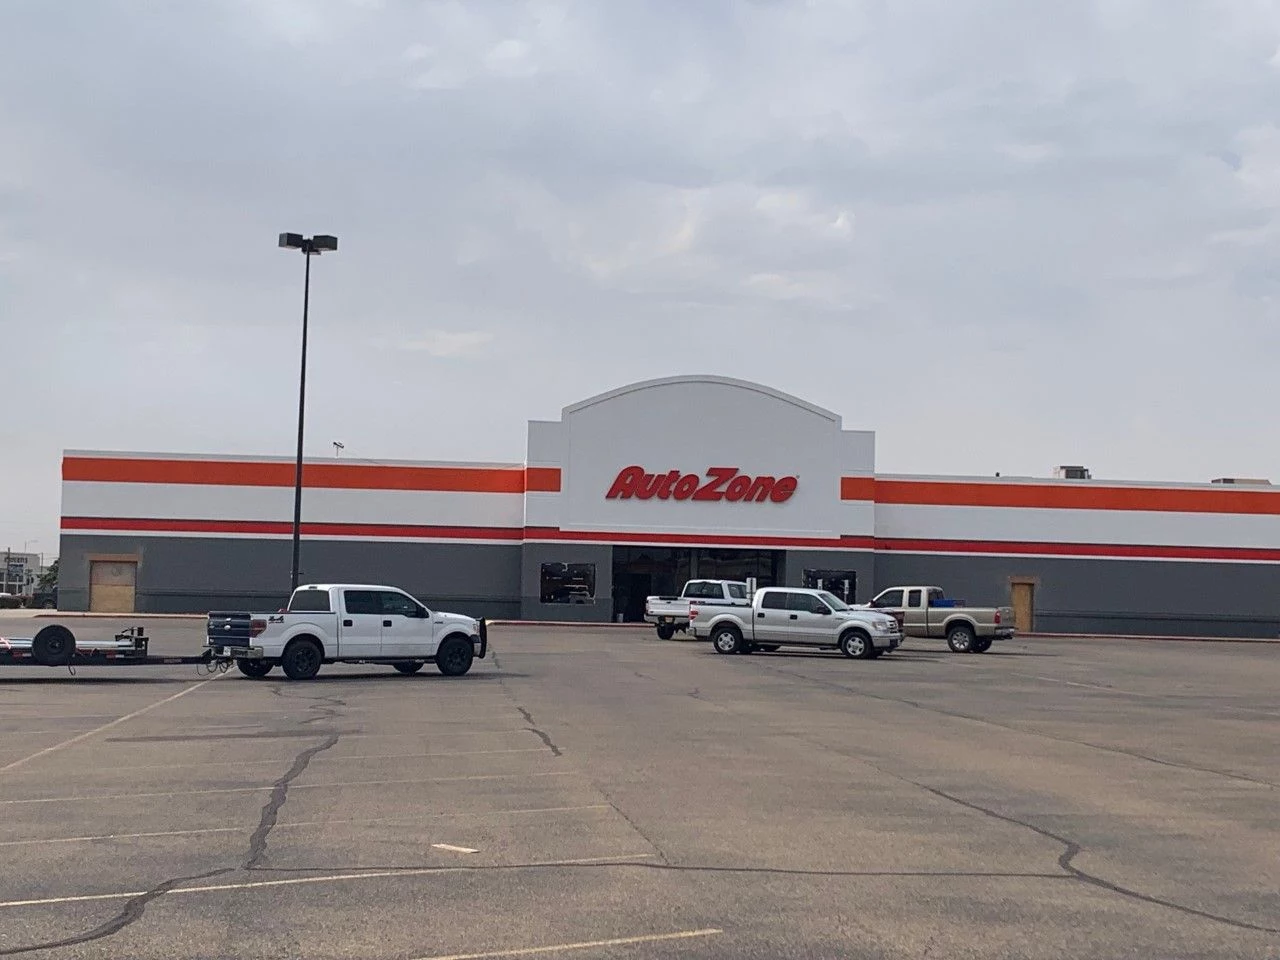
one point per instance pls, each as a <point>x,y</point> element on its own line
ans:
<point>927,612</point>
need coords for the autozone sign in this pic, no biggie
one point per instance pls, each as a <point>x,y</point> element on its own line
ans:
<point>719,483</point>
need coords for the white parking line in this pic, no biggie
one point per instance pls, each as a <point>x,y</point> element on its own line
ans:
<point>328,758</point>
<point>296,786</point>
<point>301,881</point>
<point>452,849</point>
<point>580,945</point>
<point>304,823</point>
<point>107,726</point>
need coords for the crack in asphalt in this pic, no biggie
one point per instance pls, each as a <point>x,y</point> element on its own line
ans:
<point>279,794</point>
<point>956,715</point>
<point>135,907</point>
<point>1071,849</point>
<point>540,734</point>
<point>547,741</point>
<point>131,912</point>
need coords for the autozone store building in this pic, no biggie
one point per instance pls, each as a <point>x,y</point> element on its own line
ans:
<point>631,492</point>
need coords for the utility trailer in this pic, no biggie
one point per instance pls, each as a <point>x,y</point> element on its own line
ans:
<point>56,646</point>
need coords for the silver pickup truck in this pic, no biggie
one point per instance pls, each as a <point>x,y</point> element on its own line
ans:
<point>795,616</point>
<point>927,612</point>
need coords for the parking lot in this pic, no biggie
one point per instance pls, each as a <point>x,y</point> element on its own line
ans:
<point>600,793</point>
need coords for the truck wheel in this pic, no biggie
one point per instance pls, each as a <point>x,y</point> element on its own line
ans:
<point>409,667</point>
<point>960,639</point>
<point>53,646</point>
<point>254,669</point>
<point>302,659</point>
<point>726,640</point>
<point>856,645</point>
<point>454,656</point>
<point>666,631</point>
<point>982,645</point>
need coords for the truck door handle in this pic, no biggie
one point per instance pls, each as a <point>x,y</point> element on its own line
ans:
<point>795,616</point>
<point>386,623</point>
<point>760,615</point>
<point>347,623</point>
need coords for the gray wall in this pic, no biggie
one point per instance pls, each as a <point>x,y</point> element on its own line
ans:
<point>196,574</point>
<point>863,563</point>
<point>536,554</point>
<point>1109,596</point>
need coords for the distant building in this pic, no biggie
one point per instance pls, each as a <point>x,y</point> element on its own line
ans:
<point>20,572</point>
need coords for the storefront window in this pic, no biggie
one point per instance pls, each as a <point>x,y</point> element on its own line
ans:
<point>568,583</point>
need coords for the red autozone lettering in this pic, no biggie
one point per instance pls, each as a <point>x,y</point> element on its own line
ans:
<point>720,483</point>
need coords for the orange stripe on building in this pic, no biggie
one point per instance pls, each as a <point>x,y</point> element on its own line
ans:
<point>1052,496</point>
<point>542,479</point>
<point>857,488</point>
<point>339,476</point>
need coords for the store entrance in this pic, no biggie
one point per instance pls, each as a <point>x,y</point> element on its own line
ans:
<point>639,572</point>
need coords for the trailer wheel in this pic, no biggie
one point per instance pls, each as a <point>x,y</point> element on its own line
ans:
<point>409,667</point>
<point>254,669</point>
<point>960,638</point>
<point>666,631</point>
<point>302,659</point>
<point>53,646</point>
<point>454,656</point>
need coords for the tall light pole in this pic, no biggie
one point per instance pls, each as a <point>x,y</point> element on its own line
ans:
<point>310,246</point>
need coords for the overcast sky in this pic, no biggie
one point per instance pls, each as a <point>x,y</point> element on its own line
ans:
<point>1004,235</point>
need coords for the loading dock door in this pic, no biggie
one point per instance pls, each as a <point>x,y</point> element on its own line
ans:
<point>112,584</point>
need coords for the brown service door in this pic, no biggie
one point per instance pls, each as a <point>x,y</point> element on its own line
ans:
<point>111,586</point>
<point>1024,606</point>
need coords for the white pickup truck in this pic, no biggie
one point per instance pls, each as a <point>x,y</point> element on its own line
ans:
<point>347,623</point>
<point>670,614</point>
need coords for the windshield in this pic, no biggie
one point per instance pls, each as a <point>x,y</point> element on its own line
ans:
<point>834,602</point>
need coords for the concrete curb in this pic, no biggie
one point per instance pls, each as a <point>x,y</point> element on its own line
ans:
<point>1154,637</point>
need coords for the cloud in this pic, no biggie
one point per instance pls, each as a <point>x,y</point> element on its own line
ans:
<point>442,343</point>
<point>1045,213</point>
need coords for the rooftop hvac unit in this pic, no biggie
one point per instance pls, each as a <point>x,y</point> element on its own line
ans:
<point>1249,481</point>
<point>1072,473</point>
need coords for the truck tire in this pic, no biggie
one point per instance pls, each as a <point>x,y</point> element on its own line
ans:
<point>666,631</point>
<point>409,667</point>
<point>982,645</point>
<point>856,645</point>
<point>254,669</point>
<point>726,639</point>
<point>302,659</point>
<point>454,656</point>
<point>53,646</point>
<point>960,638</point>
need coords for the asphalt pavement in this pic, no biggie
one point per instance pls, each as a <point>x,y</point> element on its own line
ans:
<point>601,793</point>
